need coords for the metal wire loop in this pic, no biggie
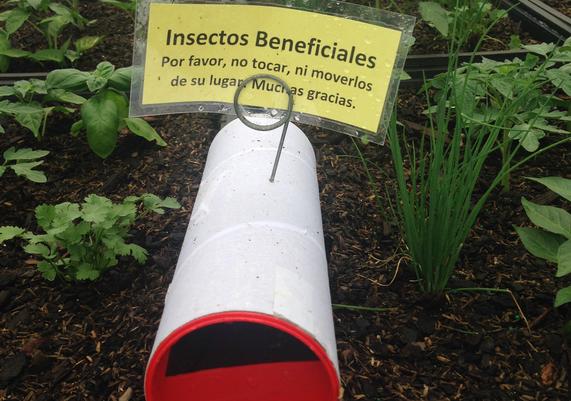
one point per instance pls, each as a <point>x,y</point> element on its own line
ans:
<point>283,121</point>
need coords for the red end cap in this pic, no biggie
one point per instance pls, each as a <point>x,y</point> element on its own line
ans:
<point>240,356</point>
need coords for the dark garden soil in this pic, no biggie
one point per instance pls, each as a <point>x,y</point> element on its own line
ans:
<point>91,341</point>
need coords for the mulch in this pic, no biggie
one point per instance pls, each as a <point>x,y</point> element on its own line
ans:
<point>91,341</point>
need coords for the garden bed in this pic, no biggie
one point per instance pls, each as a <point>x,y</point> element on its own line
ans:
<point>91,341</point>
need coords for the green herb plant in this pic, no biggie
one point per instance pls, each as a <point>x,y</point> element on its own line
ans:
<point>49,18</point>
<point>466,20</point>
<point>488,85</point>
<point>106,112</point>
<point>23,163</point>
<point>552,240</point>
<point>81,242</point>
<point>101,96</point>
<point>436,180</point>
<point>30,102</point>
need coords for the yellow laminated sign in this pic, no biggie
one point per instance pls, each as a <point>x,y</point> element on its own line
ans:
<point>338,69</point>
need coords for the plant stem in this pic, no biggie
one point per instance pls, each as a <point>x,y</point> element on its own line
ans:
<point>505,151</point>
<point>496,290</point>
<point>362,308</point>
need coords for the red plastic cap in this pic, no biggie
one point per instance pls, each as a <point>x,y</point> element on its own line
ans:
<point>240,356</point>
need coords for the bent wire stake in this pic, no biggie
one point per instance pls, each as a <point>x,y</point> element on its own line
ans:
<point>283,121</point>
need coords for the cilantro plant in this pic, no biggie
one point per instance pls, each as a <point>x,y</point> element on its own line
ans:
<point>465,20</point>
<point>23,162</point>
<point>49,18</point>
<point>483,89</point>
<point>83,241</point>
<point>552,240</point>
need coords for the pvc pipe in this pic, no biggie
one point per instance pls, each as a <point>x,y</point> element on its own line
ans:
<point>248,314</point>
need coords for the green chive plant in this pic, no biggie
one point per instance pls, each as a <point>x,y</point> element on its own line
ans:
<point>100,95</point>
<point>49,18</point>
<point>488,85</point>
<point>552,240</point>
<point>81,242</point>
<point>435,199</point>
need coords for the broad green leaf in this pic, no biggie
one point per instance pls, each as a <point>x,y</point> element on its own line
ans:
<point>101,118</point>
<point>435,15</point>
<point>561,186</point>
<point>16,19</point>
<point>86,43</point>
<point>38,249</point>
<point>55,55</point>
<point>24,154</point>
<point>10,232</point>
<point>544,48</point>
<point>48,271</point>
<point>76,128</point>
<point>564,259</point>
<point>540,243</point>
<point>150,201</point>
<point>5,14</point>
<point>60,9</point>
<point>22,88</point>
<point>170,203</point>
<point>155,204</point>
<point>121,79</point>
<point>35,4</point>
<point>2,170</point>
<point>16,108</point>
<point>550,218</point>
<point>503,85</point>
<point>69,79</point>
<point>61,95</point>
<point>27,170</point>
<point>14,53</point>
<point>52,26</point>
<point>527,136</point>
<point>563,296</point>
<point>39,86</point>
<point>543,126</point>
<point>98,79</point>
<point>560,79</point>
<point>32,121</point>
<point>140,127</point>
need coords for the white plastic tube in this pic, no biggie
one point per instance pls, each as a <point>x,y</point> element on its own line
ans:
<point>248,314</point>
